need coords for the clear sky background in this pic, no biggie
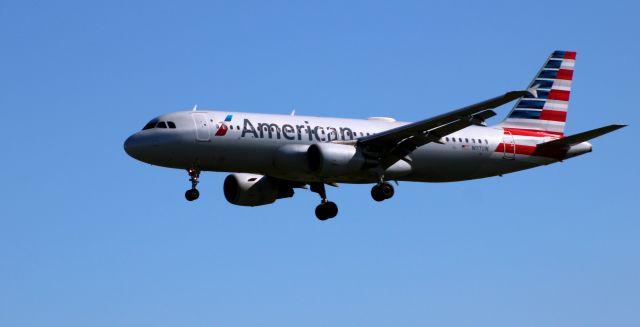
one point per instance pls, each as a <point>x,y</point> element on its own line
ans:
<point>91,237</point>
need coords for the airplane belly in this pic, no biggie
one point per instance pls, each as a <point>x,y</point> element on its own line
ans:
<point>237,155</point>
<point>433,162</point>
<point>447,162</point>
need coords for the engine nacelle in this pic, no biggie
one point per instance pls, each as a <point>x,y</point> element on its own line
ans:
<point>254,190</point>
<point>332,160</point>
<point>292,158</point>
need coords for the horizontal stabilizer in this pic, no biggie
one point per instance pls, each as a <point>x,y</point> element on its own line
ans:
<point>580,137</point>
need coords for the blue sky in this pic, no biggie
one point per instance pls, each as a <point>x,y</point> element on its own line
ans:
<point>91,237</point>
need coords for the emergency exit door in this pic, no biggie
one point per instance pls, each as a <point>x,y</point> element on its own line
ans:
<point>203,126</point>
<point>508,146</point>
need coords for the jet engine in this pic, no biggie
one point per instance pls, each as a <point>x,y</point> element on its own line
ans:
<point>292,159</point>
<point>332,160</point>
<point>254,190</point>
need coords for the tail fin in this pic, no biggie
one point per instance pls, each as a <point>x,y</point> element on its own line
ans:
<point>545,108</point>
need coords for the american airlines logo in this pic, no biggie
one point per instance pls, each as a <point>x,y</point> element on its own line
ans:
<point>222,130</point>
<point>289,131</point>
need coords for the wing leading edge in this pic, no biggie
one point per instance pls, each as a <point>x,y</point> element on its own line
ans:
<point>396,143</point>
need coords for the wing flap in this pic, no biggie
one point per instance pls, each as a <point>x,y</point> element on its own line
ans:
<point>409,144</point>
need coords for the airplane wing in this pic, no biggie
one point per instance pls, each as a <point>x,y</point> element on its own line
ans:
<point>396,143</point>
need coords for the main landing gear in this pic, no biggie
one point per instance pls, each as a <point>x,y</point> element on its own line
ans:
<point>326,209</point>
<point>193,193</point>
<point>382,191</point>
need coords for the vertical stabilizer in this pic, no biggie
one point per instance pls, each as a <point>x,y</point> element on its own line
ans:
<point>545,108</point>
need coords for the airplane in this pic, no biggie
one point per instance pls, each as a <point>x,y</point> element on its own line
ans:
<point>269,156</point>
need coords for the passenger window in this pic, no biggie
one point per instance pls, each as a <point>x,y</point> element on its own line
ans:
<point>460,139</point>
<point>171,124</point>
<point>453,139</point>
<point>231,127</point>
<point>466,140</point>
<point>486,142</point>
<point>446,138</point>
<point>162,125</point>
<point>473,140</point>
<point>150,124</point>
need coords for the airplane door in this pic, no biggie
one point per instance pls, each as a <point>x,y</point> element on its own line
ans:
<point>203,126</point>
<point>509,146</point>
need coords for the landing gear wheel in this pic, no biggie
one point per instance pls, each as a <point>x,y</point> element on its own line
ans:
<point>194,176</point>
<point>387,190</point>
<point>192,194</point>
<point>382,192</point>
<point>376,194</point>
<point>326,210</point>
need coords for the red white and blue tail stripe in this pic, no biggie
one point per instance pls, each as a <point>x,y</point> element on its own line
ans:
<point>545,108</point>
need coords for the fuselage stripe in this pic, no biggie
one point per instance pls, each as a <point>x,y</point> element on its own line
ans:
<point>531,132</point>
<point>529,150</point>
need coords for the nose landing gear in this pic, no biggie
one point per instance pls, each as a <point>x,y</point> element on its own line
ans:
<point>326,209</point>
<point>194,176</point>
<point>192,194</point>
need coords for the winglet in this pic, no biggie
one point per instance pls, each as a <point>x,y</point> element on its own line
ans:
<point>533,90</point>
<point>512,95</point>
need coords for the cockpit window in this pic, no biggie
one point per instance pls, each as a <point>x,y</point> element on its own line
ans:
<point>155,124</point>
<point>150,124</point>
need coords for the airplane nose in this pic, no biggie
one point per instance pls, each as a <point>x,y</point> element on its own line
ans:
<point>133,146</point>
<point>128,145</point>
<point>143,147</point>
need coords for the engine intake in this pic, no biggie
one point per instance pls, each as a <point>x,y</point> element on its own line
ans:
<point>254,190</point>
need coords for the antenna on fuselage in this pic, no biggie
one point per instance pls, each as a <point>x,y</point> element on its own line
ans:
<point>293,112</point>
<point>195,107</point>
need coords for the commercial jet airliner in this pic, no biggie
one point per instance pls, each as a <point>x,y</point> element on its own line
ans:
<point>271,155</point>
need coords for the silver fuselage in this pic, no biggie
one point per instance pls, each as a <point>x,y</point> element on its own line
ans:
<point>253,143</point>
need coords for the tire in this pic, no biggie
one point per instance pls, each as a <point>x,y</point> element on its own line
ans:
<point>331,209</point>
<point>376,194</point>
<point>192,194</point>
<point>326,210</point>
<point>321,213</point>
<point>386,190</point>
